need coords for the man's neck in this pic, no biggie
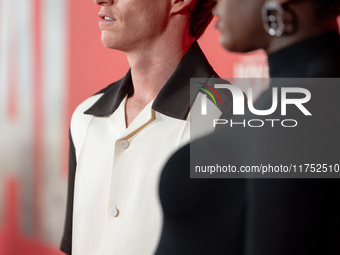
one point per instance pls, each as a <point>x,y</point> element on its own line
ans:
<point>151,68</point>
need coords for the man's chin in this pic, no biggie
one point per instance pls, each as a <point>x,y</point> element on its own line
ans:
<point>110,45</point>
<point>108,40</point>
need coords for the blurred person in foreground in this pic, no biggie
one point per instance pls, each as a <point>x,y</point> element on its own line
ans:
<point>257,216</point>
<point>121,137</point>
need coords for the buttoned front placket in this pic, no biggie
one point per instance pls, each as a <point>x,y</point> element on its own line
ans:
<point>123,141</point>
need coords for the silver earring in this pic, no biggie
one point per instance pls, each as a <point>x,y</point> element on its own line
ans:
<point>272,16</point>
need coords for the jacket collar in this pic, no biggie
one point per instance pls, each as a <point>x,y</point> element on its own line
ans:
<point>174,98</point>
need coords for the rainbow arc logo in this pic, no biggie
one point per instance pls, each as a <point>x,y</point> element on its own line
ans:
<point>209,93</point>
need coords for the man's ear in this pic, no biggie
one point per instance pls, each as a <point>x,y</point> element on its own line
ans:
<point>182,6</point>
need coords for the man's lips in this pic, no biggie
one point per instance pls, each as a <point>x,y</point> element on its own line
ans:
<point>105,18</point>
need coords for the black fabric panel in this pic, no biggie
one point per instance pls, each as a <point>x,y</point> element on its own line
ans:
<point>66,243</point>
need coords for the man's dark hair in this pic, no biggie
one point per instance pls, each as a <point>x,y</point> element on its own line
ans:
<point>327,7</point>
<point>201,16</point>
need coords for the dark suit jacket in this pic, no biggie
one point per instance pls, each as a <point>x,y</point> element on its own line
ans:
<point>263,216</point>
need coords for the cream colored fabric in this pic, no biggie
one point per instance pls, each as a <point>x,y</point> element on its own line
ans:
<point>116,205</point>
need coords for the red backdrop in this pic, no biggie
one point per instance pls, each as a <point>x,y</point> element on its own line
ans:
<point>51,59</point>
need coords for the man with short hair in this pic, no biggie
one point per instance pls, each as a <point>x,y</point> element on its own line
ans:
<point>121,137</point>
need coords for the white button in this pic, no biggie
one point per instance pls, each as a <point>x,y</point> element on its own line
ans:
<point>114,212</point>
<point>124,144</point>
